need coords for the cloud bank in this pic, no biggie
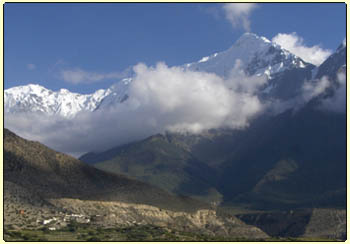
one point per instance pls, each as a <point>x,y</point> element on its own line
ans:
<point>238,14</point>
<point>161,98</point>
<point>295,44</point>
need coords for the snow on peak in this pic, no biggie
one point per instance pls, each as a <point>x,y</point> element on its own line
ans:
<point>265,39</point>
<point>35,98</point>
<point>258,56</point>
<point>31,88</point>
<point>250,38</point>
<point>64,91</point>
<point>204,59</point>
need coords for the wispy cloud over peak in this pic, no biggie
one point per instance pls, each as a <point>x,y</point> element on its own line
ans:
<point>238,14</point>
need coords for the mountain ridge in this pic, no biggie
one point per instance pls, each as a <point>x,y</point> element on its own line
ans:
<point>257,56</point>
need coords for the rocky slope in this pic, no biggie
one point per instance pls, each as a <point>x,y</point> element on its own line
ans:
<point>204,221</point>
<point>46,188</point>
<point>55,175</point>
<point>321,223</point>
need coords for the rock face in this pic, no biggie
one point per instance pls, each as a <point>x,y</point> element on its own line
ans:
<point>320,223</point>
<point>329,223</point>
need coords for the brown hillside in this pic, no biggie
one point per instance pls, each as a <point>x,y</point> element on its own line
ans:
<point>55,175</point>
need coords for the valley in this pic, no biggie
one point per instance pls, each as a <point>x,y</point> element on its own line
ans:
<point>47,215</point>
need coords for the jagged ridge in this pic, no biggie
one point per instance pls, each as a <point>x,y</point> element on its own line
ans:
<point>258,56</point>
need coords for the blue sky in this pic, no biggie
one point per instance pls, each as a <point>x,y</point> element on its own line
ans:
<point>100,41</point>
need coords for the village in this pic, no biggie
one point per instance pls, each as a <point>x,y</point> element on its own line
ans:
<point>60,220</point>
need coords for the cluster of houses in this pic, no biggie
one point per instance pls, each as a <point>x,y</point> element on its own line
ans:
<point>56,223</point>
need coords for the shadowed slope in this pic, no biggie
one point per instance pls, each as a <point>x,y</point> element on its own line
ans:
<point>55,175</point>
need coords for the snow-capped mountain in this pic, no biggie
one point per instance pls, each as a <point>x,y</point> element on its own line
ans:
<point>256,56</point>
<point>118,93</point>
<point>35,98</point>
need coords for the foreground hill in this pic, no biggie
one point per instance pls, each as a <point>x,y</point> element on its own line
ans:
<point>55,175</point>
<point>44,188</point>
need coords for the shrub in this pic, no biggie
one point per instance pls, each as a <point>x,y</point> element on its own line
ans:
<point>94,238</point>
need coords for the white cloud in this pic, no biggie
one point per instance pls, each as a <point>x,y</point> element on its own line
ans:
<point>311,89</point>
<point>31,66</point>
<point>191,101</point>
<point>295,44</point>
<point>78,76</point>
<point>240,82</point>
<point>238,14</point>
<point>161,98</point>
<point>337,102</point>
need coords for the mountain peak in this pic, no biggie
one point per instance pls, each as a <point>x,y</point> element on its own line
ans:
<point>34,88</point>
<point>35,98</point>
<point>258,56</point>
<point>249,37</point>
<point>64,91</point>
